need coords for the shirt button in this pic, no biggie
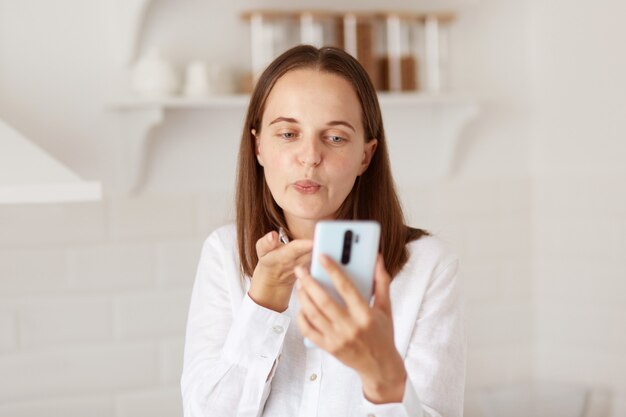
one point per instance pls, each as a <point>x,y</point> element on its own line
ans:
<point>278,329</point>
<point>313,377</point>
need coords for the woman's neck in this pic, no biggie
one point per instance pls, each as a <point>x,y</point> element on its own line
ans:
<point>301,228</point>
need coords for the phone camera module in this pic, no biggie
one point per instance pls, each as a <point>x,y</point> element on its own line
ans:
<point>347,247</point>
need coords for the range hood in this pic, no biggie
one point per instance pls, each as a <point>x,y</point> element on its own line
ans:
<point>28,174</point>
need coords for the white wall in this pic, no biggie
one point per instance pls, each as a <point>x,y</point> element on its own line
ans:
<point>53,63</point>
<point>579,197</point>
<point>93,296</point>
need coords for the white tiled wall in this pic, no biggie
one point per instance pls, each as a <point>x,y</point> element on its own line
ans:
<point>93,323</point>
<point>579,197</point>
<point>579,282</point>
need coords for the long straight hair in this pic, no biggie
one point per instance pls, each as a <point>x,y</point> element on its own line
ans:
<point>373,196</point>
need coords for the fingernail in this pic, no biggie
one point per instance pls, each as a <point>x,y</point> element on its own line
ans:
<point>323,260</point>
<point>298,284</point>
<point>270,237</point>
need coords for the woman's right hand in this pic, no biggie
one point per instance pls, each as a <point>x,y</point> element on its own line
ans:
<point>273,278</point>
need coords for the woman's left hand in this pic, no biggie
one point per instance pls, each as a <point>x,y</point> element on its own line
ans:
<point>358,335</point>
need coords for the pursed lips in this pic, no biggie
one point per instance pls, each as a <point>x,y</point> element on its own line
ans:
<point>306,186</point>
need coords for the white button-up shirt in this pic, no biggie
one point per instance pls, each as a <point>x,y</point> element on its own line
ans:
<point>242,359</point>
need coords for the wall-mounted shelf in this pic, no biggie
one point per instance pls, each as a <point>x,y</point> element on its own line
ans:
<point>140,116</point>
<point>394,47</point>
<point>241,100</point>
<point>441,115</point>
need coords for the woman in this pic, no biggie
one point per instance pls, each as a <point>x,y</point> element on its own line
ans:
<point>313,147</point>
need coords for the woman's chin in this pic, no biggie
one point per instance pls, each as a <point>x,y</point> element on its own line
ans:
<point>307,213</point>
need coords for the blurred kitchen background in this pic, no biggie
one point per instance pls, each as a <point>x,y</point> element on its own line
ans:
<point>515,157</point>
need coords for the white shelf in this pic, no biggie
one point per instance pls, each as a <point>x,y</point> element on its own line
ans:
<point>449,112</point>
<point>241,101</point>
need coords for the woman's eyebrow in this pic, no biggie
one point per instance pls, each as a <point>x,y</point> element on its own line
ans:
<point>341,123</point>
<point>331,123</point>
<point>283,119</point>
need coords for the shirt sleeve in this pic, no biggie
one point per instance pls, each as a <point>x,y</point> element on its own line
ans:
<point>435,360</point>
<point>229,360</point>
<point>410,405</point>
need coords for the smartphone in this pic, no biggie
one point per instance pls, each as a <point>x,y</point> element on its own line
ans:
<point>353,245</point>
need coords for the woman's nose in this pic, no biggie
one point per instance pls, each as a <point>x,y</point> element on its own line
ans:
<point>310,153</point>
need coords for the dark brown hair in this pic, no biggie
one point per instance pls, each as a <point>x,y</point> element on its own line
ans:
<point>373,196</point>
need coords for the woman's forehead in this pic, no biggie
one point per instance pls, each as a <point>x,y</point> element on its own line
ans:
<point>312,95</point>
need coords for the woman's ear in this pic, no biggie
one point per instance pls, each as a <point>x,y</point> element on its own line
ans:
<point>257,146</point>
<point>368,153</point>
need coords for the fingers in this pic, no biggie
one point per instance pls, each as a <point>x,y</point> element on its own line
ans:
<point>317,301</point>
<point>382,282</point>
<point>299,247</point>
<point>304,260</point>
<point>308,330</point>
<point>266,244</point>
<point>292,250</point>
<point>286,257</point>
<point>314,314</point>
<point>344,286</point>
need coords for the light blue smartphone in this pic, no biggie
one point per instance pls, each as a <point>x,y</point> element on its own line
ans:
<point>353,245</point>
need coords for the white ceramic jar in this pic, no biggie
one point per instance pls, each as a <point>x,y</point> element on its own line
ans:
<point>154,76</point>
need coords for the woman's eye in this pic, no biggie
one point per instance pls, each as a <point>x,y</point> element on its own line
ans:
<point>335,139</point>
<point>287,135</point>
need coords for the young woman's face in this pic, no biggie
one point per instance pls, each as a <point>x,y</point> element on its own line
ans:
<point>312,144</point>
